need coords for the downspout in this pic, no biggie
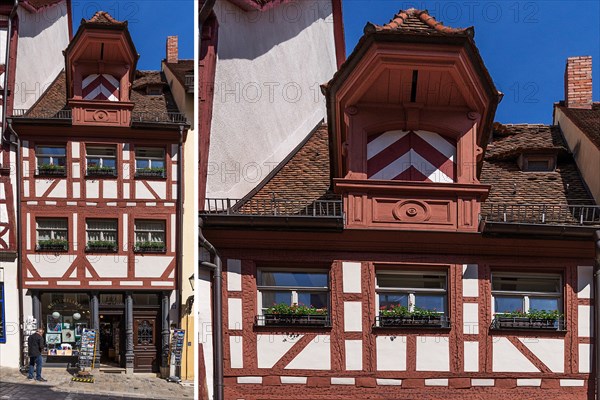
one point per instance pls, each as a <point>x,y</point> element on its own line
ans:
<point>13,12</point>
<point>179,233</point>
<point>597,314</point>
<point>19,238</point>
<point>217,312</point>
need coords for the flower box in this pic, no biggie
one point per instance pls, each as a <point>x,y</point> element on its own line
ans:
<point>150,247</point>
<point>101,171</point>
<point>101,247</point>
<point>53,245</point>
<point>150,173</point>
<point>525,323</point>
<point>412,321</point>
<point>321,320</point>
<point>51,170</point>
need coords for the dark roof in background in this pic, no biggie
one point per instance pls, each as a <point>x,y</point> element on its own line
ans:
<point>586,120</point>
<point>180,69</point>
<point>304,176</point>
<point>55,99</point>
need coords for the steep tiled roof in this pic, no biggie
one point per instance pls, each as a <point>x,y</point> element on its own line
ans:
<point>181,68</point>
<point>37,4</point>
<point>586,120</point>
<point>55,99</point>
<point>103,18</point>
<point>511,140</point>
<point>419,22</point>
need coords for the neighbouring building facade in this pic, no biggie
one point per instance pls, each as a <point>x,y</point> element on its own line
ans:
<point>34,33</point>
<point>101,163</point>
<point>410,247</point>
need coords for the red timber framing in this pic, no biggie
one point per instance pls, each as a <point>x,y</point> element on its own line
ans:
<point>375,250</point>
<point>77,197</point>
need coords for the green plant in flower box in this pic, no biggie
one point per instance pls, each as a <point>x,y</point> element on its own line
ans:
<point>53,243</point>
<point>150,245</point>
<point>295,309</point>
<point>532,314</point>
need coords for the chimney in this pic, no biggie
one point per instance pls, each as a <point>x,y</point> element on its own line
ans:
<point>172,50</point>
<point>578,82</point>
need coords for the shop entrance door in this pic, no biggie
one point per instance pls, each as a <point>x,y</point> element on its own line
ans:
<point>111,339</point>
<point>145,341</point>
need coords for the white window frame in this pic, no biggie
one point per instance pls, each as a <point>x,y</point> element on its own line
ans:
<point>410,291</point>
<point>137,230</point>
<point>53,231</point>
<point>101,157</point>
<point>150,158</point>
<point>102,231</point>
<point>52,158</point>
<point>294,289</point>
<point>526,294</point>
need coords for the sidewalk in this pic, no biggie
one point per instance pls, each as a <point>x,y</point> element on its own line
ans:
<point>15,385</point>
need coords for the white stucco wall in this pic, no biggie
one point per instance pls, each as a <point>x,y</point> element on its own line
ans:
<point>267,96</point>
<point>42,38</point>
<point>9,351</point>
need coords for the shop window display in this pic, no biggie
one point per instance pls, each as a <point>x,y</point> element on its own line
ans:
<point>65,315</point>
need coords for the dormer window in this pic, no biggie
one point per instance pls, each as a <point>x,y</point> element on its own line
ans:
<point>537,163</point>
<point>154,90</point>
<point>100,87</point>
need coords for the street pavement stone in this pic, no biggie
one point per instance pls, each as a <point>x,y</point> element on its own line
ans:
<point>14,385</point>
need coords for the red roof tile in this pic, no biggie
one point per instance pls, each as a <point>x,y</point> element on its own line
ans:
<point>511,140</point>
<point>586,120</point>
<point>103,18</point>
<point>419,22</point>
<point>181,69</point>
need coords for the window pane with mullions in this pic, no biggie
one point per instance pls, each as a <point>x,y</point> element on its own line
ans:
<point>543,303</point>
<point>150,152</point>
<point>393,299</point>
<point>416,281</point>
<point>52,224</point>
<point>294,279</point>
<point>541,283</point>
<point>271,298</point>
<point>314,299</point>
<point>51,151</point>
<point>506,304</point>
<point>433,302</point>
<point>101,151</point>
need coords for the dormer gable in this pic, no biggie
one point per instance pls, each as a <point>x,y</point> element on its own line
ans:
<point>410,113</point>
<point>100,67</point>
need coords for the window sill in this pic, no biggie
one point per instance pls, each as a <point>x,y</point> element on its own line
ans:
<point>150,250</point>
<point>292,321</point>
<point>101,249</point>
<point>395,323</point>
<point>52,249</point>
<point>151,175</point>
<point>534,325</point>
<point>50,173</point>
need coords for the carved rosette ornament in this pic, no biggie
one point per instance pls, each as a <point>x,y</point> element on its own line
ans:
<point>411,211</point>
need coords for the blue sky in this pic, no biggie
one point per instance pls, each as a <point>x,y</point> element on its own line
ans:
<point>524,44</point>
<point>150,22</point>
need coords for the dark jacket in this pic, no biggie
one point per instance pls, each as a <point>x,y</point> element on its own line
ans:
<point>35,343</point>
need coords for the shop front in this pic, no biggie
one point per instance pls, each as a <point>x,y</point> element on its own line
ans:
<point>133,327</point>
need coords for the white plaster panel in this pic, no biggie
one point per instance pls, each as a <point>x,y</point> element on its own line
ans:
<point>235,314</point>
<point>41,185</point>
<point>529,382</point>
<point>28,230</point>
<point>50,266</point>
<point>26,188</point>
<point>299,380</point>
<point>433,353</point>
<point>353,316</point>
<point>270,348</point>
<point>125,236</point>
<point>550,351</point>
<point>109,266</point>
<point>391,353</point>
<point>234,275</point>
<point>100,283</point>
<point>76,190</point>
<point>110,189</point>
<point>126,151</point>
<point>74,237</point>
<point>351,277</point>
<point>92,189</point>
<point>60,191</point>
<point>571,382</point>
<point>584,320</point>
<point>75,147</point>
<point>471,318</point>
<point>68,283</point>
<point>343,381</point>
<point>471,356</point>
<point>3,213</point>
<point>507,358</point>
<point>151,266</point>
<point>160,188</point>
<point>236,351</point>
<point>174,191</point>
<point>174,172</point>
<point>257,380</point>
<point>389,382</point>
<point>482,382</point>
<point>173,231</point>
<point>470,280</point>
<point>126,193</point>
<point>354,355</point>
<point>436,382</point>
<point>174,152</point>
<point>75,171</point>
<point>142,192</point>
<point>315,356</point>
<point>585,277</point>
<point>131,283</point>
<point>585,358</point>
<point>161,283</point>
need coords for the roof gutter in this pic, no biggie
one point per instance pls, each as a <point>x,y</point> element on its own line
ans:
<point>13,12</point>
<point>217,311</point>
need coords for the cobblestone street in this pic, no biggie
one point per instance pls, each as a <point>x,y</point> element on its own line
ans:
<point>15,386</point>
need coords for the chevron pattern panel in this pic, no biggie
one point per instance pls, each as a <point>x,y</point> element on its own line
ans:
<point>100,87</point>
<point>411,156</point>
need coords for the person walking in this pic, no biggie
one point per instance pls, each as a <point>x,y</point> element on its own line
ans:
<point>35,343</point>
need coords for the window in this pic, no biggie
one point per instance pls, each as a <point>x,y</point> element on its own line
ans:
<point>52,234</point>
<point>101,234</point>
<point>51,160</point>
<point>537,163</point>
<point>150,236</point>
<point>2,322</point>
<point>412,298</point>
<point>305,294</point>
<point>525,293</point>
<point>149,162</point>
<point>101,161</point>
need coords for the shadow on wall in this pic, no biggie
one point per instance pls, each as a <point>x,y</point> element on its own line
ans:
<point>255,33</point>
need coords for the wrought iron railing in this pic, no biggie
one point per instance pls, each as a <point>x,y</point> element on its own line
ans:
<point>414,322</point>
<point>275,207</point>
<point>136,116</point>
<point>60,114</point>
<point>189,82</point>
<point>293,321</point>
<point>541,214</point>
